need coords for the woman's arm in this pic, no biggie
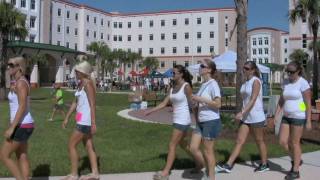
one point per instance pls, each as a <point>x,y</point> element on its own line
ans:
<point>70,111</point>
<point>22,93</point>
<point>90,90</point>
<point>307,101</point>
<point>162,105</point>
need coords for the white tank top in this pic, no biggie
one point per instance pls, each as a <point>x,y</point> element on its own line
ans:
<point>83,115</point>
<point>256,114</point>
<point>14,105</point>
<point>181,114</point>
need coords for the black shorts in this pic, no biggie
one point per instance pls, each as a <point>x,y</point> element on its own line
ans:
<point>59,106</point>
<point>255,125</point>
<point>83,129</point>
<point>21,134</point>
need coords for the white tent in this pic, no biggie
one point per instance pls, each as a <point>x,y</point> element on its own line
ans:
<point>226,62</point>
<point>34,78</point>
<point>60,75</point>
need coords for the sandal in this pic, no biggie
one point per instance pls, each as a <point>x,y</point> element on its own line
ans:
<point>70,177</point>
<point>90,176</point>
<point>159,176</point>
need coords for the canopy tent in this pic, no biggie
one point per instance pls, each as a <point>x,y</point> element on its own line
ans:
<point>168,73</point>
<point>144,72</point>
<point>226,62</point>
<point>133,73</point>
<point>155,74</point>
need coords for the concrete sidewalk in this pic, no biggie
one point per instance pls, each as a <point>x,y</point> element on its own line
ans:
<point>310,170</point>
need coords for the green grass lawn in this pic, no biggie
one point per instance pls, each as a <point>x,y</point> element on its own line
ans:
<point>122,145</point>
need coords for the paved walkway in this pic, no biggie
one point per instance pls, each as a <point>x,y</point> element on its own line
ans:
<point>310,170</point>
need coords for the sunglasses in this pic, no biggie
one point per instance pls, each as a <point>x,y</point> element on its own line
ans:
<point>203,66</point>
<point>290,72</point>
<point>11,65</point>
<point>246,68</point>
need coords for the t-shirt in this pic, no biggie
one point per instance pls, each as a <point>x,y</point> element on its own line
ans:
<point>59,94</point>
<point>208,90</point>
<point>294,106</point>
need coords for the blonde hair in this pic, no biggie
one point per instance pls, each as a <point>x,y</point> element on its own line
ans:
<point>84,67</point>
<point>21,61</point>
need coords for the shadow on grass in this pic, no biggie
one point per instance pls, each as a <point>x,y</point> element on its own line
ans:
<point>42,170</point>
<point>85,164</point>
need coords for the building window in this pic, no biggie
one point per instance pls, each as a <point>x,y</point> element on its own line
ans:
<point>120,38</point>
<point>254,41</point>
<point>59,28</point>
<point>33,4</point>
<point>108,37</point>
<point>211,49</point>
<point>68,14</point>
<point>88,18</point>
<point>101,36</point>
<point>115,24</point>
<point>67,30</point>
<point>163,22</point>
<point>129,37</point>
<point>140,37</point>
<point>254,51</point>
<point>108,23</point>
<point>211,20</point>
<point>101,22</point>
<point>260,60</point>
<point>266,51</point>
<point>129,65</point>
<point>76,31</point>
<point>266,60</point>
<point>260,50</point>
<point>285,50</point>
<point>174,50</point>
<point>140,24</point>
<point>226,27</point>
<point>198,20</point>
<point>140,51</point>
<point>151,23</point>
<point>32,22</point>
<point>87,32</point>
<point>199,49</point>
<point>254,60</point>
<point>211,34</point>
<point>94,34</point>
<point>198,35</point>
<point>186,49</point>
<point>186,35</point>
<point>162,64</point>
<point>150,50</point>
<point>59,12</point>
<point>186,64</point>
<point>58,43</point>
<point>285,60</point>
<point>129,25</point>
<point>285,41</point>
<point>13,2</point>
<point>23,3</point>
<point>32,38</point>
<point>174,63</point>
<point>120,25</point>
<point>163,37</point>
<point>75,46</point>
<point>151,37</point>
<point>95,20</point>
<point>162,50</point>
<point>266,41</point>
<point>226,42</point>
<point>260,41</point>
<point>174,36</point>
<point>304,40</point>
<point>174,22</point>
<point>76,16</point>
<point>67,44</point>
<point>186,21</point>
<point>115,38</point>
<point>129,49</point>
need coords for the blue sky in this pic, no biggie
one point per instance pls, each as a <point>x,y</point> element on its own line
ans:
<point>269,13</point>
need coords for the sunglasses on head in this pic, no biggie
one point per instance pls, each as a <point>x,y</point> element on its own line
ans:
<point>290,72</point>
<point>246,68</point>
<point>203,66</point>
<point>11,65</point>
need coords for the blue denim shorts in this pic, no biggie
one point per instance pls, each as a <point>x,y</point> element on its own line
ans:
<point>209,130</point>
<point>254,125</point>
<point>83,129</point>
<point>21,134</point>
<point>181,127</point>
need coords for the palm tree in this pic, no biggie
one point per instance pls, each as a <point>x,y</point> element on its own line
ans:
<point>122,58</point>
<point>242,56</point>
<point>101,50</point>
<point>12,25</point>
<point>151,63</point>
<point>299,55</point>
<point>309,10</point>
<point>133,57</point>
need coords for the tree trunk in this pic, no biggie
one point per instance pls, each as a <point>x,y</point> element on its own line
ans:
<point>241,21</point>
<point>315,65</point>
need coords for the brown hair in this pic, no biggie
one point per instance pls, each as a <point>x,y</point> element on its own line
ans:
<point>298,66</point>
<point>21,61</point>
<point>212,66</point>
<point>187,77</point>
<point>253,66</point>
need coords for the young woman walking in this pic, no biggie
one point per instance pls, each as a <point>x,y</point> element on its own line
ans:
<point>85,106</point>
<point>179,97</point>
<point>251,118</point>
